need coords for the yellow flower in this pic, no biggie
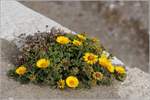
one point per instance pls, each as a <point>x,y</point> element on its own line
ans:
<point>77,43</point>
<point>106,63</point>
<point>95,40</point>
<point>72,82</point>
<point>42,63</point>
<point>110,68</point>
<point>90,58</point>
<point>120,69</point>
<point>93,82</point>
<point>61,84</point>
<point>32,77</point>
<point>63,40</point>
<point>98,75</point>
<point>21,70</point>
<point>81,37</point>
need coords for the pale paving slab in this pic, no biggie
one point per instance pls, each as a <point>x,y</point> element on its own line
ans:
<point>17,19</point>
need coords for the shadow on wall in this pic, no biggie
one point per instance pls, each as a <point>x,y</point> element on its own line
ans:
<point>9,51</point>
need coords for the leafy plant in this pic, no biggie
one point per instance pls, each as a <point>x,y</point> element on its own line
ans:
<point>63,60</point>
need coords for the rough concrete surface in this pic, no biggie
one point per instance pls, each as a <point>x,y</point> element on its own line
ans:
<point>17,19</point>
<point>136,86</point>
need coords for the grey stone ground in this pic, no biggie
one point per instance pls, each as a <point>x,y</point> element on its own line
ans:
<point>136,86</point>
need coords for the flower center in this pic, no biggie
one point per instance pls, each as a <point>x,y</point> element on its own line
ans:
<point>21,71</point>
<point>71,82</point>
<point>97,75</point>
<point>90,57</point>
<point>43,64</point>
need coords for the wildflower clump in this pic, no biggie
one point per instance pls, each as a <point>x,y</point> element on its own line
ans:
<point>63,60</point>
